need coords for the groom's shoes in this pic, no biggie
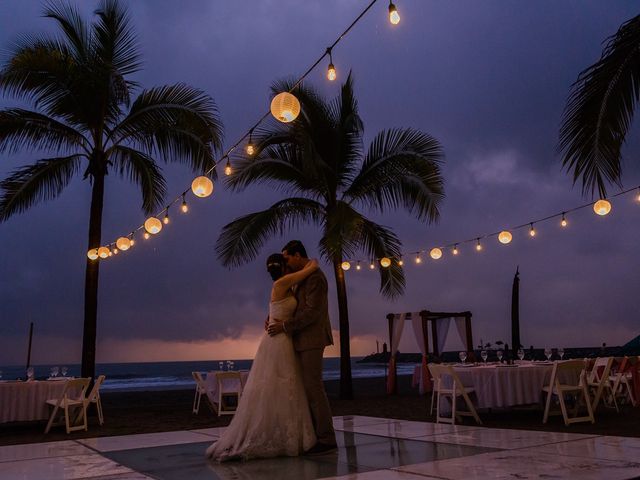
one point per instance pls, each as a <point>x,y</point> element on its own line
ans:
<point>321,449</point>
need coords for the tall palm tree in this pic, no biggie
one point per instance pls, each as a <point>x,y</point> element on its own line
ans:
<point>600,110</point>
<point>320,161</point>
<point>83,115</point>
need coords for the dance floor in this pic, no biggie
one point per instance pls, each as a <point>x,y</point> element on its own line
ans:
<point>369,449</point>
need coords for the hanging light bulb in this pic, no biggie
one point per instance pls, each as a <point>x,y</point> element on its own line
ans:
<point>227,169</point>
<point>505,237</point>
<point>110,253</point>
<point>165,220</point>
<point>455,249</point>
<point>372,266</point>
<point>285,107</point>
<point>563,222</point>
<point>184,207</point>
<point>132,242</point>
<point>418,259</point>
<point>532,231</point>
<point>435,253</point>
<point>478,245</point>
<point>152,225</point>
<point>92,254</point>
<point>394,16</point>
<point>638,197</point>
<point>250,149</point>
<point>146,235</point>
<point>385,262</point>
<point>358,267</point>
<point>103,252</point>
<point>116,251</point>
<point>123,243</point>
<point>345,266</point>
<point>202,187</point>
<point>331,70</point>
<point>400,262</point>
<point>602,207</point>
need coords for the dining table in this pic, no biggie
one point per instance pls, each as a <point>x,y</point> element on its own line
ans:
<point>24,401</point>
<point>228,384</point>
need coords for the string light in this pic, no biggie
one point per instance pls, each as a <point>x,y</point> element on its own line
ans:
<point>638,197</point>
<point>478,245</point>
<point>132,242</point>
<point>227,169</point>
<point>92,254</point>
<point>123,243</point>
<point>385,262</point>
<point>455,249</point>
<point>103,252</point>
<point>250,148</point>
<point>358,267</point>
<point>372,266</point>
<point>435,253</point>
<point>563,222</point>
<point>505,237</point>
<point>153,225</point>
<point>165,220</point>
<point>400,262</point>
<point>115,251</point>
<point>394,16</point>
<point>202,186</point>
<point>285,107</point>
<point>331,70</point>
<point>418,259</point>
<point>602,207</point>
<point>110,253</point>
<point>532,231</point>
<point>146,235</point>
<point>345,266</point>
<point>184,207</point>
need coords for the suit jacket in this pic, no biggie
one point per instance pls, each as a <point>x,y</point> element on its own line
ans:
<point>310,327</point>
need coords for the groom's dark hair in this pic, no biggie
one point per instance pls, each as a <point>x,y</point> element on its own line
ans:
<point>295,246</point>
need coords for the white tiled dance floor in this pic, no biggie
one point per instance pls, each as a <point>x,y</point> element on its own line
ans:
<point>369,449</point>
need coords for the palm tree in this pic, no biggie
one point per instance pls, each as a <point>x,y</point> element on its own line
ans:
<point>320,161</point>
<point>600,110</point>
<point>80,87</point>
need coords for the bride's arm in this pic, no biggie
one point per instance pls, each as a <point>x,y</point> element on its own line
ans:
<point>290,279</point>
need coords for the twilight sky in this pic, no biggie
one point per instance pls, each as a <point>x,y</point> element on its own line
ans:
<point>488,79</point>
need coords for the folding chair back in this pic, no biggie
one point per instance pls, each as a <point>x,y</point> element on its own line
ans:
<point>73,395</point>
<point>94,397</point>
<point>568,377</point>
<point>229,387</point>
<point>201,389</point>
<point>440,373</point>
<point>599,380</point>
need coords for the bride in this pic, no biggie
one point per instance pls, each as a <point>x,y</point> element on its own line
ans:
<point>273,417</point>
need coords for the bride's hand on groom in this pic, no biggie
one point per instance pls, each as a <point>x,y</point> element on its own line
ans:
<point>275,328</point>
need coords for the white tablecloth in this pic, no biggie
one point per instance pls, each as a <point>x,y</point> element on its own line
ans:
<point>228,384</point>
<point>25,401</point>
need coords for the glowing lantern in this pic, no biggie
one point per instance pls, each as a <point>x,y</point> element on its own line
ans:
<point>153,225</point>
<point>602,207</point>
<point>202,187</point>
<point>385,262</point>
<point>103,252</point>
<point>123,243</point>
<point>505,237</point>
<point>285,107</point>
<point>435,253</point>
<point>92,254</point>
<point>345,266</point>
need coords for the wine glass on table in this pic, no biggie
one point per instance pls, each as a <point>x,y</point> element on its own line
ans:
<point>30,373</point>
<point>463,357</point>
<point>55,371</point>
<point>64,371</point>
<point>561,352</point>
<point>548,353</point>
<point>0,374</point>
<point>500,354</point>
<point>484,355</point>
<point>521,354</point>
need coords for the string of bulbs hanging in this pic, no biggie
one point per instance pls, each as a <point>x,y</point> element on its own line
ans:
<point>284,107</point>
<point>601,207</point>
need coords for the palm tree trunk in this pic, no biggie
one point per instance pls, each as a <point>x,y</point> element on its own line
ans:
<point>88,368</point>
<point>346,384</point>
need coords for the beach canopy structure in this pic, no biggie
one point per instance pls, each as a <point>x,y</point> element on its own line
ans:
<point>440,323</point>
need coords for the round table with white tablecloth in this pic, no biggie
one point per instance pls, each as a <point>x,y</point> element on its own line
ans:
<point>26,401</point>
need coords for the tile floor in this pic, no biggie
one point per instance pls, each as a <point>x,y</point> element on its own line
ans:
<point>369,449</point>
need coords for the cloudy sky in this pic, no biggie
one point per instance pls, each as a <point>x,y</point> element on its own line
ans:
<point>488,79</point>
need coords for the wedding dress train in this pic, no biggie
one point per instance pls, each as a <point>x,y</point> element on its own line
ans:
<point>273,417</point>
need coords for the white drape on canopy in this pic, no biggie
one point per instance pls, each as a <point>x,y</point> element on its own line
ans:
<point>396,329</point>
<point>443,331</point>
<point>416,322</point>
<point>462,331</point>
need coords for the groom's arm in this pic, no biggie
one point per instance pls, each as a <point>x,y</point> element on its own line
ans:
<point>315,300</point>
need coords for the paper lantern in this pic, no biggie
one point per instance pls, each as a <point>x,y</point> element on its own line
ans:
<point>202,187</point>
<point>345,266</point>
<point>385,262</point>
<point>123,243</point>
<point>153,225</point>
<point>602,207</point>
<point>435,253</point>
<point>103,252</point>
<point>505,237</point>
<point>285,107</point>
<point>92,254</point>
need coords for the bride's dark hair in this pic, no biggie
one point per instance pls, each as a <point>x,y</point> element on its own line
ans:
<point>276,266</point>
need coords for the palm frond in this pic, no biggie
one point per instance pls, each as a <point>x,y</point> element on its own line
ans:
<point>24,129</point>
<point>240,241</point>
<point>600,110</point>
<point>178,122</point>
<point>74,28</point>
<point>142,170</point>
<point>401,168</point>
<point>29,185</point>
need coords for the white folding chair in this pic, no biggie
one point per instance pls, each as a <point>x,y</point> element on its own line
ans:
<point>229,387</point>
<point>94,398</point>
<point>598,382</point>
<point>201,389</point>
<point>621,384</point>
<point>439,373</point>
<point>68,399</point>
<point>568,377</point>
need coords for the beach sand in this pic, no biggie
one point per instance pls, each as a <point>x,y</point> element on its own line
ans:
<point>157,411</point>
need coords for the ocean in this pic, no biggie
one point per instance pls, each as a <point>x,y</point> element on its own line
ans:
<point>176,375</point>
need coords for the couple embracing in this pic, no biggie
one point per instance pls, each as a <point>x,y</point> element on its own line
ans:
<point>284,409</point>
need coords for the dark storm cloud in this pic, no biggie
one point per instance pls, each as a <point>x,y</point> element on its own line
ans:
<point>488,79</point>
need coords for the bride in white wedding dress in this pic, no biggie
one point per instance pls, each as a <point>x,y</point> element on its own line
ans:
<point>272,418</point>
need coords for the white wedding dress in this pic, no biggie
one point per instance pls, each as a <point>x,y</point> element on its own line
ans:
<point>273,417</point>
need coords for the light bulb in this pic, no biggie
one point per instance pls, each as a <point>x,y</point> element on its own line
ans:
<point>455,249</point>
<point>132,242</point>
<point>358,267</point>
<point>394,16</point>
<point>418,259</point>
<point>638,197</point>
<point>250,149</point>
<point>401,262</point>
<point>116,251</point>
<point>532,231</point>
<point>331,72</point>
<point>227,169</point>
<point>372,266</point>
<point>184,207</point>
<point>478,246</point>
<point>563,222</point>
<point>165,220</point>
<point>146,235</point>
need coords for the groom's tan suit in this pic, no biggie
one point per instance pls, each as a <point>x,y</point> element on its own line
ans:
<point>310,330</point>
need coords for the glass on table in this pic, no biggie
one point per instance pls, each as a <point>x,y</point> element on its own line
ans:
<point>561,352</point>
<point>231,365</point>
<point>548,353</point>
<point>221,365</point>
<point>30,373</point>
<point>64,371</point>
<point>521,354</point>
<point>463,357</point>
<point>484,355</point>
<point>0,374</point>
<point>500,354</point>
<point>55,371</point>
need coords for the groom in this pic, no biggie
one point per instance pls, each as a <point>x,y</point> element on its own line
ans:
<point>310,330</point>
